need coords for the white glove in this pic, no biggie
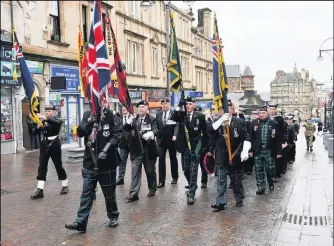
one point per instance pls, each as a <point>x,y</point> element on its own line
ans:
<point>148,135</point>
<point>218,123</point>
<point>130,120</point>
<point>244,154</point>
<point>284,145</point>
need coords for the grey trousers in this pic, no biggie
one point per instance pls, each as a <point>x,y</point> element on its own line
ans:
<point>124,153</point>
<point>149,166</point>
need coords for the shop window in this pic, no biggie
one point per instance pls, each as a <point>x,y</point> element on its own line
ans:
<point>54,20</point>
<point>6,115</point>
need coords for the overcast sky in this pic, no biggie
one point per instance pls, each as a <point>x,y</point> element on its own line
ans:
<point>271,36</point>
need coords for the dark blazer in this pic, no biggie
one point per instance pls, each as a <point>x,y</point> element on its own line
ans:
<point>134,144</point>
<point>291,135</point>
<point>111,129</point>
<point>166,131</point>
<point>275,144</point>
<point>197,129</point>
<point>238,134</point>
<point>124,142</point>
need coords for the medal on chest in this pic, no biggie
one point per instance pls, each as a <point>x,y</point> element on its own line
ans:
<point>236,134</point>
<point>196,126</point>
<point>106,132</point>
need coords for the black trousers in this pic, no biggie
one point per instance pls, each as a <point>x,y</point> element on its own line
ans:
<point>293,152</point>
<point>173,163</point>
<point>53,151</point>
<point>285,158</point>
<point>278,166</point>
<point>107,180</point>
<point>249,165</point>
<point>204,177</point>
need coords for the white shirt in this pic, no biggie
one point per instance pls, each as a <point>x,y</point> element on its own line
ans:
<point>167,113</point>
<point>191,115</point>
<point>127,117</point>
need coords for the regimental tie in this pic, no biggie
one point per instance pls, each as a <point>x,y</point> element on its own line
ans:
<point>124,120</point>
<point>165,121</point>
<point>189,115</point>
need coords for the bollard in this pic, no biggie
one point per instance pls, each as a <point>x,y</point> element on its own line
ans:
<point>324,137</point>
<point>327,139</point>
<point>330,147</point>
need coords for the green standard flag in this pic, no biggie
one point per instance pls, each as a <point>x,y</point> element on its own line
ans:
<point>174,66</point>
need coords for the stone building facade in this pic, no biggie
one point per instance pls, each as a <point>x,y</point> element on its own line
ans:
<point>237,81</point>
<point>294,92</point>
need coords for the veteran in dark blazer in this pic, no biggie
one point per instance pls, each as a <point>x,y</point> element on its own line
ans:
<point>166,137</point>
<point>192,137</point>
<point>143,150</point>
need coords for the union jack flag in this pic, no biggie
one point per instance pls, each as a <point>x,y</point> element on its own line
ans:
<point>98,63</point>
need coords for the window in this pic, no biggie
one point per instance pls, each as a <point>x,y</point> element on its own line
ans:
<point>103,22</point>
<point>127,62</point>
<point>154,62</point>
<point>134,58</point>
<point>6,115</point>
<point>54,20</point>
<point>133,9</point>
<point>153,13</point>
<point>84,23</point>
<point>140,59</point>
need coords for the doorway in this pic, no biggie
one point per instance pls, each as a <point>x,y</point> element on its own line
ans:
<point>25,113</point>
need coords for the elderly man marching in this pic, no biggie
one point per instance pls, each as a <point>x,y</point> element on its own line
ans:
<point>240,145</point>
<point>309,134</point>
<point>192,137</point>
<point>265,148</point>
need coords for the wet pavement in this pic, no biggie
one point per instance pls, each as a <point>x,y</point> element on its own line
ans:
<point>298,212</point>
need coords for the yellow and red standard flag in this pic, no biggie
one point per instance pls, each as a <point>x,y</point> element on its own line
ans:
<point>83,67</point>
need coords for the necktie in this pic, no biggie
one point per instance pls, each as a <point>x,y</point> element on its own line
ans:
<point>124,119</point>
<point>189,116</point>
<point>165,117</point>
<point>141,122</point>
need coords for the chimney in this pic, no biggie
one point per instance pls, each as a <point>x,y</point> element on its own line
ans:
<point>204,21</point>
<point>278,73</point>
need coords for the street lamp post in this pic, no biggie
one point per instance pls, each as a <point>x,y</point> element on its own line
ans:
<point>325,51</point>
<point>146,5</point>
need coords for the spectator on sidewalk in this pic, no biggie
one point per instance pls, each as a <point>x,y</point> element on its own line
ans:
<point>34,132</point>
<point>309,134</point>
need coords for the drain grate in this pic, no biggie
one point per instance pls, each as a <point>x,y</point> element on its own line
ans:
<point>305,220</point>
<point>3,192</point>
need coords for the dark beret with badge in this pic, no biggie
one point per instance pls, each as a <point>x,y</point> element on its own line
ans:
<point>190,99</point>
<point>50,107</point>
<point>142,102</point>
<point>263,108</point>
<point>198,109</point>
<point>165,100</point>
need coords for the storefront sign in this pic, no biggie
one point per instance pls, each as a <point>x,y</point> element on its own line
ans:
<point>55,98</point>
<point>204,104</point>
<point>196,94</point>
<point>35,67</point>
<point>137,96</point>
<point>71,74</point>
<point>155,97</point>
<point>8,66</point>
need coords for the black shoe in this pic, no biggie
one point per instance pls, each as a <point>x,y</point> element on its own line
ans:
<point>76,227</point>
<point>113,223</point>
<point>242,178</point>
<point>204,186</point>
<point>260,192</point>
<point>64,190</point>
<point>38,194</point>
<point>307,149</point>
<point>239,204</point>
<point>174,181</point>
<point>275,180</point>
<point>230,186</point>
<point>160,185</point>
<point>311,149</point>
<point>271,187</point>
<point>290,162</point>
<point>187,187</point>
<point>94,196</point>
<point>150,194</point>
<point>132,199</point>
<point>218,207</point>
<point>216,174</point>
<point>191,200</point>
<point>120,182</point>
<point>283,171</point>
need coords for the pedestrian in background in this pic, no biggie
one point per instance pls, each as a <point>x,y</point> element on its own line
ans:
<point>34,133</point>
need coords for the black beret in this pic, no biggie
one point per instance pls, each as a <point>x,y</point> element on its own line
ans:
<point>142,102</point>
<point>165,100</point>
<point>198,109</point>
<point>263,108</point>
<point>229,103</point>
<point>50,107</point>
<point>272,105</point>
<point>190,99</point>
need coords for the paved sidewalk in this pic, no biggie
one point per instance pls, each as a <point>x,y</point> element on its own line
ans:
<point>298,212</point>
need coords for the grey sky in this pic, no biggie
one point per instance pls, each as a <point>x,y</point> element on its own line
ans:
<point>269,36</point>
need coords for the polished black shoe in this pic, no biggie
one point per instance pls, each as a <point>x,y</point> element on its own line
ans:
<point>64,190</point>
<point>174,181</point>
<point>218,207</point>
<point>150,194</point>
<point>204,186</point>
<point>239,204</point>
<point>76,227</point>
<point>260,192</point>
<point>311,149</point>
<point>187,187</point>
<point>191,200</point>
<point>230,186</point>
<point>113,223</point>
<point>38,194</point>
<point>160,185</point>
<point>132,199</point>
<point>271,187</point>
<point>120,182</point>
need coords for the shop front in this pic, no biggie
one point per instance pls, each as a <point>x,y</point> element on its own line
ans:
<point>68,101</point>
<point>10,110</point>
<point>154,100</point>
